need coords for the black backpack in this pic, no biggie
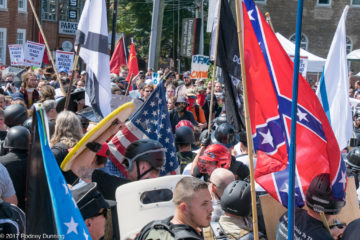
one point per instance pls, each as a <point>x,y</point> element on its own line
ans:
<point>12,221</point>
<point>164,230</point>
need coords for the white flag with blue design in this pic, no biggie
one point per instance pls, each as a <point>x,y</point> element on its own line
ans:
<point>333,90</point>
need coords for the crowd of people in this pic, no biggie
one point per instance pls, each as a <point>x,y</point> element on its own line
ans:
<point>211,202</point>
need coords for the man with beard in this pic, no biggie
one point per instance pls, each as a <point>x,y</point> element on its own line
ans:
<point>180,113</point>
<point>181,90</point>
<point>28,89</point>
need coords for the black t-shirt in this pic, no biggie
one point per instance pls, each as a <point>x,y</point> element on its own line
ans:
<point>306,227</point>
<point>175,118</point>
<point>352,230</point>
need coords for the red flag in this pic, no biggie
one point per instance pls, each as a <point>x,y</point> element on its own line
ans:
<point>118,58</point>
<point>132,63</point>
<point>269,73</point>
<point>45,58</point>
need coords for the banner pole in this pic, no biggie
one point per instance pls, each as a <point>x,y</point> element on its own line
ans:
<point>214,69</point>
<point>268,19</point>
<point>292,154</point>
<point>239,18</point>
<point>47,46</point>
<point>76,59</point>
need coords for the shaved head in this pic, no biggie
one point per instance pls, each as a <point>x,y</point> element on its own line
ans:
<point>221,177</point>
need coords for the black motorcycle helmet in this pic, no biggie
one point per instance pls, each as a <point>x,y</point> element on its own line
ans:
<point>352,159</point>
<point>226,135</point>
<point>18,137</point>
<point>184,135</point>
<point>14,115</point>
<point>236,198</point>
<point>319,196</point>
<point>148,150</point>
<point>219,120</point>
<point>28,123</point>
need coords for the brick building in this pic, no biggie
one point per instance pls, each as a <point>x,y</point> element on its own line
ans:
<point>58,18</point>
<point>320,19</point>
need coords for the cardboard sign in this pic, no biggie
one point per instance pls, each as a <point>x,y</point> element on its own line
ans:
<point>302,65</point>
<point>64,60</point>
<point>16,55</point>
<point>199,67</point>
<point>33,53</point>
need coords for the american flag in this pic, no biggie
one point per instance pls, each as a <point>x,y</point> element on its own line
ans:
<point>151,121</point>
<point>269,73</point>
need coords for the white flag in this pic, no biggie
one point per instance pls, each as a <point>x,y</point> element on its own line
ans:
<point>92,35</point>
<point>333,90</point>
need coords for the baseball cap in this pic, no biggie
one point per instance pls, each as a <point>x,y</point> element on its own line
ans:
<point>83,72</point>
<point>89,200</point>
<point>187,74</point>
<point>63,70</point>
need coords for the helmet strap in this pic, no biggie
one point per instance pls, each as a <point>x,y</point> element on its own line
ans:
<point>139,176</point>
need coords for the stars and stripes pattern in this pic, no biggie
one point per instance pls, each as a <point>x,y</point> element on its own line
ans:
<point>69,221</point>
<point>151,121</point>
<point>269,73</point>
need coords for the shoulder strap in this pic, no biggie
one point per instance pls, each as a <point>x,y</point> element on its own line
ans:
<point>197,112</point>
<point>218,231</point>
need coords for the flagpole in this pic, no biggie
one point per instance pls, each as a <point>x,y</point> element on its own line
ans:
<point>268,19</point>
<point>247,120</point>
<point>214,68</point>
<point>47,46</point>
<point>123,36</point>
<point>292,154</point>
<point>67,99</point>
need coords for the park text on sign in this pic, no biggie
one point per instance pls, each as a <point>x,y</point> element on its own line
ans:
<point>64,60</point>
<point>16,55</point>
<point>33,53</point>
<point>199,67</point>
<point>68,27</point>
<point>303,64</point>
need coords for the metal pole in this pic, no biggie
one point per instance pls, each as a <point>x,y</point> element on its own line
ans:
<point>113,36</point>
<point>292,154</point>
<point>201,49</point>
<point>155,36</point>
<point>178,39</point>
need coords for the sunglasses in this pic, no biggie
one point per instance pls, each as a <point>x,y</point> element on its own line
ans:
<point>103,212</point>
<point>148,91</point>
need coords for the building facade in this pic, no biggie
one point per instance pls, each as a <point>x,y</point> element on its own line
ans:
<point>320,19</point>
<point>59,19</point>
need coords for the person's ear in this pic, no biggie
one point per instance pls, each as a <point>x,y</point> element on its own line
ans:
<point>88,222</point>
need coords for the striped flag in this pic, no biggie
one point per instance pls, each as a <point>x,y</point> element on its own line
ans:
<point>92,35</point>
<point>151,121</point>
<point>333,90</point>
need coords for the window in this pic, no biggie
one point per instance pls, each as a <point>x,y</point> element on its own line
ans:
<point>21,36</point>
<point>22,5</point>
<point>3,3</point>
<point>355,3</point>
<point>3,46</point>
<point>49,10</point>
<point>348,45</point>
<point>304,41</point>
<point>324,2</point>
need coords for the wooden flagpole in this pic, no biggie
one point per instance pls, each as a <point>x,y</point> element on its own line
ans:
<point>247,120</point>
<point>214,69</point>
<point>47,46</point>
<point>76,59</point>
<point>268,19</point>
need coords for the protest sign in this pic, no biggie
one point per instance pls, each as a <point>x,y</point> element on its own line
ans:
<point>33,53</point>
<point>302,65</point>
<point>199,67</point>
<point>155,78</point>
<point>16,55</point>
<point>64,60</point>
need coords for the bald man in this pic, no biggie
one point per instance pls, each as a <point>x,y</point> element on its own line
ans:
<point>219,179</point>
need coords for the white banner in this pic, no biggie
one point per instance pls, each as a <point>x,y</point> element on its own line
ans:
<point>33,53</point>
<point>303,65</point>
<point>199,67</point>
<point>64,60</point>
<point>16,52</point>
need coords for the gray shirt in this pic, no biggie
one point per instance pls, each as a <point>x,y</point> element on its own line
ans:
<point>6,184</point>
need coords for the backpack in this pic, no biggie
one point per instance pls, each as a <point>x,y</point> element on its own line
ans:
<point>12,221</point>
<point>164,230</point>
<point>219,233</point>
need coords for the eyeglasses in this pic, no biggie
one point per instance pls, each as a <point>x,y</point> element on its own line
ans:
<point>190,97</point>
<point>103,212</point>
